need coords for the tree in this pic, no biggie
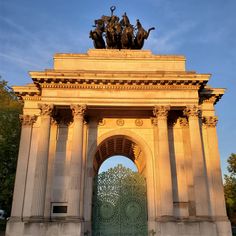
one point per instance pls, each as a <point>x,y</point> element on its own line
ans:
<point>230,188</point>
<point>10,108</point>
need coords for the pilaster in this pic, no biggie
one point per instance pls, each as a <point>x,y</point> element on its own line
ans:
<point>213,167</point>
<point>76,164</point>
<point>27,122</point>
<point>189,165</point>
<point>198,161</point>
<point>162,161</point>
<point>40,178</point>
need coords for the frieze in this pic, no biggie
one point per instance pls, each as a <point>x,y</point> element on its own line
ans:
<point>46,109</point>
<point>28,119</point>
<point>210,121</point>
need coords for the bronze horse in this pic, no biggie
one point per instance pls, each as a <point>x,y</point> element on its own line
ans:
<point>97,35</point>
<point>141,35</point>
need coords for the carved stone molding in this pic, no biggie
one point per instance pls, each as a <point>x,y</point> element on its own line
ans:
<point>78,111</point>
<point>161,111</point>
<point>183,122</point>
<point>138,122</point>
<point>192,111</point>
<point>120,122</point>
<point>28,119</point>
<point>210,121</point>
<point>46,109</point>
<point>154,121</point>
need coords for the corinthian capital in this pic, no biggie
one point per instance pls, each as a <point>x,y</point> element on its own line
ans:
<point>46,109</point>
<point>192,111</point>
<point>78,111</point>
<point>210,121</point>
<point>28,119</point>
<point>161,111</point>
<point>183,122</point>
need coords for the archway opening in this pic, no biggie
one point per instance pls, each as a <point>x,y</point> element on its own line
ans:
<point>119,188</point>
<point>123,146</point>
<point>113,161</point>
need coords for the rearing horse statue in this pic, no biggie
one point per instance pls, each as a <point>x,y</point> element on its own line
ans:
<point>141,35</point>
<point>97,34</point>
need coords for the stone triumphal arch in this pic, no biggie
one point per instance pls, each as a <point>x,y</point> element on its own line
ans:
<point>128,102</point>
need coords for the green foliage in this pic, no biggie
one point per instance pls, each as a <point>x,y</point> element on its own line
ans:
<point>230,188</point>
<point>10,108</point>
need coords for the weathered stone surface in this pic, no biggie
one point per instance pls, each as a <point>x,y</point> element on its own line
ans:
<point>131,103</point>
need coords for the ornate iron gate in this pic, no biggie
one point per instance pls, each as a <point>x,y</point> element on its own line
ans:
<point>119,203</point>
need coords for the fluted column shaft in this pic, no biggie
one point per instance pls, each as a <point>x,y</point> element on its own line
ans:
<point>22,165</point>
<point>40,178</point>
<point>199,169</point>
<point>213,167</point>
<point>76,163</point>
<point>163,161</point>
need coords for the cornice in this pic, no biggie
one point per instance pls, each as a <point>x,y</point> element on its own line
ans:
<point>211,95</point>
<point>119,80</point>
<point>27,92</point>
<point>168,85</point>
<point>89,75</point>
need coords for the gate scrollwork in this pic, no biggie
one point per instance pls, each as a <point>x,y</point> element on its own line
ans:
<point>119,203</point>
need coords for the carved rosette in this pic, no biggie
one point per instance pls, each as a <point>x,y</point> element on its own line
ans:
<point>120,122</point>
<point>101,122</point>
<point>28,119</point>
<point>210,121</point>
<point>46,109</point>
<point>78,111</point>
<point>183,122</point>
<point>138,122</point>
<point>161,112</point>
<point>192,111</point>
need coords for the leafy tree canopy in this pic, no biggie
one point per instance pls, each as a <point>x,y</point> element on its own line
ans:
<point>10,108</point>
<point>230,188</point>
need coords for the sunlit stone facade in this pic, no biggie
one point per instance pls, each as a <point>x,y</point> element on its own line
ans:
<point>133,103</point>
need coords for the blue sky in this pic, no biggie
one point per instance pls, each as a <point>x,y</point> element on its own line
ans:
<point>202,30</point>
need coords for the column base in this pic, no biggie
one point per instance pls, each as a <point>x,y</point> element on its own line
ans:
<point>158,228</point>
<point>46,229</point>
<point>190,227</point>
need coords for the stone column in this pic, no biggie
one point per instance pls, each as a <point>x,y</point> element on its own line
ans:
<point>76,164</point>
<point>198,161</point>
<point>163,161</point>
<point>40,178</point>
<point>50,170</point>
<point>188,165</point>
<point>22,166</point>
<point>213,167</point>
